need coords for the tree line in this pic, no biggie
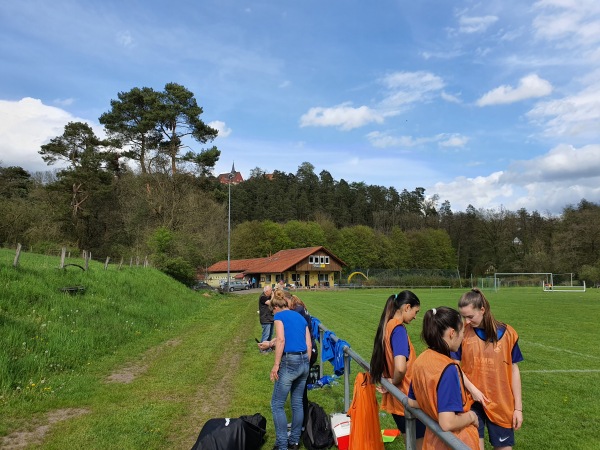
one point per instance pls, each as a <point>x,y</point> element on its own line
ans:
<point>141,190</point>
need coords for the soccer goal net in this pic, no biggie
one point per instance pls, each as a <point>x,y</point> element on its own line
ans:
<point>548,281</point>
<point>564,282</point>
<point>521,279</point>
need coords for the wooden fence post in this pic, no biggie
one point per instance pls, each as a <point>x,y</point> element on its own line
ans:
<point>17,255</point>
<point>106,263</point>
<point>63,253</point>
<point>121,263</point>
<point>87,260</point>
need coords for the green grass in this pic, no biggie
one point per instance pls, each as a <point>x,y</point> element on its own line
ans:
<point>201,361</point>
<point>558,334</point>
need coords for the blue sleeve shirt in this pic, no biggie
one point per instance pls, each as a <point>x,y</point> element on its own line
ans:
<point>294,329</point>
<point>449,392</point>
<point>399,341</point>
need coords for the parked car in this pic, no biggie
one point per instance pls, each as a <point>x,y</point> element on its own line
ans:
<point>236,285</point>
<point>201,286</point>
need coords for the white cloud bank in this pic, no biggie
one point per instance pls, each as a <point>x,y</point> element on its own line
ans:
<point>531,86</point>
<point>401,89</point>
<point>548,183</point>
<point>344,116</point>
<point>26,125</point>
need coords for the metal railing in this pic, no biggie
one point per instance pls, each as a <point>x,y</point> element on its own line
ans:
<point>410,414</point>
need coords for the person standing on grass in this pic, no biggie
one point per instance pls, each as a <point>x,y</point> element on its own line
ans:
<point>290,370</point>
<point>265,314</point>
<point>393,355</point>
<point>489,355</point>
<point>437,382</point>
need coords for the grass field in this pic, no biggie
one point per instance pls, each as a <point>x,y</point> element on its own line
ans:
<point>558,335</point>
<point>140,361</point>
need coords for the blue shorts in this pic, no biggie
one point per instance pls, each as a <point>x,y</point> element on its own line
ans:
<point>401,424</point>
<point>498,436</point>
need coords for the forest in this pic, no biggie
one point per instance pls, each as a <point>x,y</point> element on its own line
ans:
<point>141,191</point>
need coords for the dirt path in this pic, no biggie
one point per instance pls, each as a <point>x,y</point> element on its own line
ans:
<point>24,438</point>
<point>210,397</point>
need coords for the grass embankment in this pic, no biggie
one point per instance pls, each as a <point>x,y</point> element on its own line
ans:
<point>144,360</point>
<point>140,361</point>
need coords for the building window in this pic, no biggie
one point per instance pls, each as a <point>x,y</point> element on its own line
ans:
<point>268,278</point>
<point>311,260</point>
<point>327,260</point>
<point>323,277</point>
<point>322,260</point>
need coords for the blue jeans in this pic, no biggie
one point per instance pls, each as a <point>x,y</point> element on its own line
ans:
<point>267,331</point>
<point>293,372</point>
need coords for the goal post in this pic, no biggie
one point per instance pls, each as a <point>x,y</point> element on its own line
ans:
<point>522,279</point>
<point>548,281</point>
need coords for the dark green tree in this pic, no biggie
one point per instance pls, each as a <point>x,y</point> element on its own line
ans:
<point>131,121</point>
<point>177,119</point>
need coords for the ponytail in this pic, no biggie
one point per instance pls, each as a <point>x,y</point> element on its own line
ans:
<point>392,304</point>
<point>435,323</point>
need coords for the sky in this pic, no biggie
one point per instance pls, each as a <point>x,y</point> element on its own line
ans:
<point>494,104</point>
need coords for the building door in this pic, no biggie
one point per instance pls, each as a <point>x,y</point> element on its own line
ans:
<point>306,279</point>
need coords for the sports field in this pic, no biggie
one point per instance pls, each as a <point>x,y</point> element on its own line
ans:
<point>558,335</point>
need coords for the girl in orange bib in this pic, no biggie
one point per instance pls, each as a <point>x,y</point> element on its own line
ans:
<point>489,355</point>
<point>393,355</point>
<point>437,383</point>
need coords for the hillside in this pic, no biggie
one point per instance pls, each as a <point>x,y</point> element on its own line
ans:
<point>126,357</point>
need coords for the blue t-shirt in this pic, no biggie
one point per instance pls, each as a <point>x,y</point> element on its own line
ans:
<point>449,392</point>
<point>399,341</point>
<point>516,355</point>
<point>294,330</point>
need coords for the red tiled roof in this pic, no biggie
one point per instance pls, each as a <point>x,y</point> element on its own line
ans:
<point>237,178</point>
<point>277,263</point>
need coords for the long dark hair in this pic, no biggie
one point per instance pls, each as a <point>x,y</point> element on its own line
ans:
<point>435,322</point>
<point>489,324</point>
<point>393,304</point>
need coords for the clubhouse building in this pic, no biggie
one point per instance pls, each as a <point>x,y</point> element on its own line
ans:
<point>299,268</point>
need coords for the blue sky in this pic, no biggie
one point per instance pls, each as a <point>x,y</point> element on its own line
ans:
<point>489,103</point>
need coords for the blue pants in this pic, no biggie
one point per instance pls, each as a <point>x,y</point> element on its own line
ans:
<point>267,331</point>
<point>293,372</point>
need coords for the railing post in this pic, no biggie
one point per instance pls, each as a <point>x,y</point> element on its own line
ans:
<point>411,430</point>
<point>346,380</point>
<point>321,333</point>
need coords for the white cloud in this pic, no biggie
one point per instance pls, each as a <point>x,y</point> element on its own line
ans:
<point>26,125</point>
<point>564,163</point>
<point>221,127</point>
<point>453,141</point>
<point>384,140</point>
<point>568,22</point>
<point>343,116</point>
<point>562,176</point>
<point>449,97</point>
<point>475,24</point>
<point>531,86</point>
<point>574,115</point>
<point>124,39</point>
<point>406,88</point>
<point>64,101</point>
<point>402,90</point>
